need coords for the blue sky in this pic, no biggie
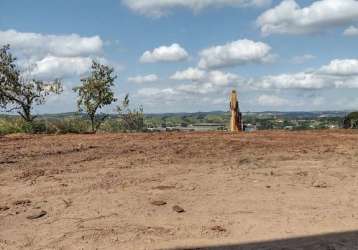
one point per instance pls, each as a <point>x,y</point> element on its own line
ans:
<point>176,55</point>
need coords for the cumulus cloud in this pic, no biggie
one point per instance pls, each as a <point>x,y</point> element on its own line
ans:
<point>346,67</point>
<point>54,56</point>
<point>158,8</point>
<point>193,74</point>
<point>302,59</point>
<point>172,53</point>
<point>56,45</point>
<point>149,92</point>
<point>194,85</point>
<point>219,78</point>
<point>208,92</point>
<point>301,80</point>
<point>144,79</point>
<point>272,101</point>
<point>235,53</point>
<point>337,74</point>
<point>213,82</point>
<point>202,82</point>
<point>289,18</point>
<point>155,96</point>
<point>351,31</point>
<point>212,86</point>
<point>61,67</point>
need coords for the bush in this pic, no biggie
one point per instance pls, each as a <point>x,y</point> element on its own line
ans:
<point>351,120</point>
<point>112,126</point>
<point>74,125</point>
<point>131,119</point>
<point>44,126</point>
<point>11,125</point>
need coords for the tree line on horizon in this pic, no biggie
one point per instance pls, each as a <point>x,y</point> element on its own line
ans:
<point>20,92</point>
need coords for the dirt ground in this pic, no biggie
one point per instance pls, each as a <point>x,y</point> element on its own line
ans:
<point>117,191</point>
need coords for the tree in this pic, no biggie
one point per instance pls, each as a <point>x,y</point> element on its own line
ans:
<point>95,93</point>
<point>351,120</point>
<point>131,120</point>
<point>19,92</point>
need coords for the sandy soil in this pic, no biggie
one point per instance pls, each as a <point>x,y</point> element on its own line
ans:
<point>118,191</point>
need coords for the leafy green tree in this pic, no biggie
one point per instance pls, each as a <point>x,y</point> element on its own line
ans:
<point>18,92</point>
<point>131,120</point>
<point>96,92</point>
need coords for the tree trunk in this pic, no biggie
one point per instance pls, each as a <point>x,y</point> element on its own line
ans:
<point>93,127</point>
<point>26,114</point>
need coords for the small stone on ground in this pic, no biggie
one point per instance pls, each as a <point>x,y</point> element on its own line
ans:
<point>158,203</point>
<point>37,215</point>
<point>178,209</point>
<point>218,229</point>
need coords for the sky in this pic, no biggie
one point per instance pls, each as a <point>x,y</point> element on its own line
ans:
<point>187,55</point>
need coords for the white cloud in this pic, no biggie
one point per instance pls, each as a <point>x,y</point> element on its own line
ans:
<point>197,88</point>
<point>155,96</point>
<point>289,18</point>
<point>149,92</point>
<point>158,8</point>
<point>212,82</point>
<point>211,88</point>
<point>351,31</point>
<point>272,101</point>
<point>170,53</point>
<point>337,74</point>
<point>144,79</point>
<point>193,74</point>
<point>54,56</point>
<point>344,67</point>
<point>202,82</point>
<point>235,53</point>
<point>61,67</point>
<point>57,45</point>
<point>302,59</point>
<point>219,78</point>
<point>302,80</point>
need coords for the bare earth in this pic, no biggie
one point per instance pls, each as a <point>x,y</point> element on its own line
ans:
<point>97,191</point>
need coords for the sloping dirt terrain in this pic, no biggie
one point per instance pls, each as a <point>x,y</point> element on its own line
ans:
<point>176,190</point>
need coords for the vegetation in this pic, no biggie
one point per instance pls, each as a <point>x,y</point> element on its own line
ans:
<point>351,120</point>
<point>134,120</point>
<point>95,93</point>
<point>19,92</point>
<point>131,120</point>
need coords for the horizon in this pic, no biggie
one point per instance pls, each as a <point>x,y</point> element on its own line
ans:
<point>197,112</point>
<point>186,56</point>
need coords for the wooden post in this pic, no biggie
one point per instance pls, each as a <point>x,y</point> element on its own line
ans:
<point>235,123</point>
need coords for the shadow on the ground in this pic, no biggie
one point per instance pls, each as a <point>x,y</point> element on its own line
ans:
<point>333,241</point>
